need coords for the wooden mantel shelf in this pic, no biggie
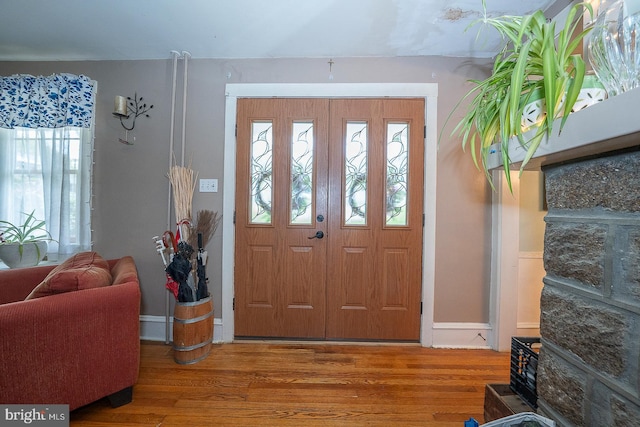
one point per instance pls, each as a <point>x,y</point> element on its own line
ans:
<point>610,125</point>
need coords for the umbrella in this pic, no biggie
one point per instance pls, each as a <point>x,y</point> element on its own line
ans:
<point>180,270</point>
<point>164,245</point>
<point>201,273</point>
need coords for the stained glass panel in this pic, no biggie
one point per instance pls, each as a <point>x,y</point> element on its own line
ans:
<point>302,173</point>
<point>261,171</point>
<point>355,206</point>
<point>396,179</point>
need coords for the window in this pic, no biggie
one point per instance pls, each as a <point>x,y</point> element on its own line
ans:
<point>356,169</point>
<point>261,171</point>
<point>48,171</point>
<point>301,173</point>
<point>46,153</point>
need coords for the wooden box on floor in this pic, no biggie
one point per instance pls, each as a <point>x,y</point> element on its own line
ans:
<point>500,402</point>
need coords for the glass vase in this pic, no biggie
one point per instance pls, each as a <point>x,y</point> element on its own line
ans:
<point>612,47</point>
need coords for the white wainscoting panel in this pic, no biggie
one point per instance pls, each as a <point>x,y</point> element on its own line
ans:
<point>530,275</point>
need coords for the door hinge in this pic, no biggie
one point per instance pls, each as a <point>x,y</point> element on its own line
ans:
<point>233,304</point>
<point>421,307</point>
<point>423,220</point>
<point>236,131</point>
<point>425,132</point>
<point>234,217</point>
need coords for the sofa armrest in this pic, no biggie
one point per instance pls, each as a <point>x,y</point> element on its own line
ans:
<point>17,283</point>
<point>72,348</point>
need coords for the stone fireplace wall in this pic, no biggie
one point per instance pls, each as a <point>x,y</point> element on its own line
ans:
<point>589,363</point>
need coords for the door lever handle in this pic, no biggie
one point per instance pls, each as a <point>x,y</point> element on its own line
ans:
<point>318,235</point>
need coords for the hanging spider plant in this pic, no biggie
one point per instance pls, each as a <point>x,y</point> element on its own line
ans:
<point>534,59</point>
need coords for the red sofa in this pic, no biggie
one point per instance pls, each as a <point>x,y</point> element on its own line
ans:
<point>70,348</point>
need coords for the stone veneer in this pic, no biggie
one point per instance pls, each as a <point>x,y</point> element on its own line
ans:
<point>589,363</point>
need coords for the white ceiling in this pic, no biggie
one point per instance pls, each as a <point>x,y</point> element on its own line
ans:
<point>37,30</point>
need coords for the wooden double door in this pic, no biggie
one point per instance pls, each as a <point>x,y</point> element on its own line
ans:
<point>329,217</point>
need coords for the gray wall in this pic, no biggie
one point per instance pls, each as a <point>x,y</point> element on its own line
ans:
<point>131,188</point>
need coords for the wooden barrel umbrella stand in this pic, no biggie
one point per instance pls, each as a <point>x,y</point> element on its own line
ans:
<point>192,331</point>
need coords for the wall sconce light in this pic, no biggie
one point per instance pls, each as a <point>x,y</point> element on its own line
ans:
<point>127,108</point>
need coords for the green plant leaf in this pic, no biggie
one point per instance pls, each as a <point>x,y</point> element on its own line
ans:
<point>575,85</point>
<point>549,73</point>
<point>534,143</point>
<point>515,92</point>
<point>506,161</point>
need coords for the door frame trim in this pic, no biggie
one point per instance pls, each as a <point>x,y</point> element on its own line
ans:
<point>428,91</point>
<point>505,259</point>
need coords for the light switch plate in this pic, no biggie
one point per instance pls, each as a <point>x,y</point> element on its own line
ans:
<point>208,185</point>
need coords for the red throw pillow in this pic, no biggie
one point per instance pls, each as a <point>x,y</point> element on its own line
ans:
<point>124,271</point>
<point>84,270</point>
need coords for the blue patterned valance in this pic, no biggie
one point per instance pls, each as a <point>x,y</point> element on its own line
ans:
<point>46,102</point>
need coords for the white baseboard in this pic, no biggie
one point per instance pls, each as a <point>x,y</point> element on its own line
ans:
<point>462,335</point>
<point>153,328</point>
<point>445,335</point>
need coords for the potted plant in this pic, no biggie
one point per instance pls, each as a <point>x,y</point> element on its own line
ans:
<point>23,245</point>
<point>536,62</point>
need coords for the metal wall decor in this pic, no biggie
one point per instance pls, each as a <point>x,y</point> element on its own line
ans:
<point>130,108</point>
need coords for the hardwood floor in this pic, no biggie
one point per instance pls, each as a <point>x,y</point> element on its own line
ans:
<point>306,384</point>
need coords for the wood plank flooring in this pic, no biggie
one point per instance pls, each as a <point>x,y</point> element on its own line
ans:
<point>306,384</point>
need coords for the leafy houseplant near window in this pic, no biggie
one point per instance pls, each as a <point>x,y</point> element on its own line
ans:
<point>23,245</point>
<point>534,61</point>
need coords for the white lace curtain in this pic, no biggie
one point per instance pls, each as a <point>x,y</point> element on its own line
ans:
<point>46,150</point>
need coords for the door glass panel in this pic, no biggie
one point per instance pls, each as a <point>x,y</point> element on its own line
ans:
<point>396,180</point>
<point>302,173</point>
<point>355,206</point>
<point>261,171</point>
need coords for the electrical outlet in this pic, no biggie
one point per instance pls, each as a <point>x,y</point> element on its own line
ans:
<point>208,185</point>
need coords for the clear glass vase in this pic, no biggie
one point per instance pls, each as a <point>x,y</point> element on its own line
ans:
<point>613,47</point>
